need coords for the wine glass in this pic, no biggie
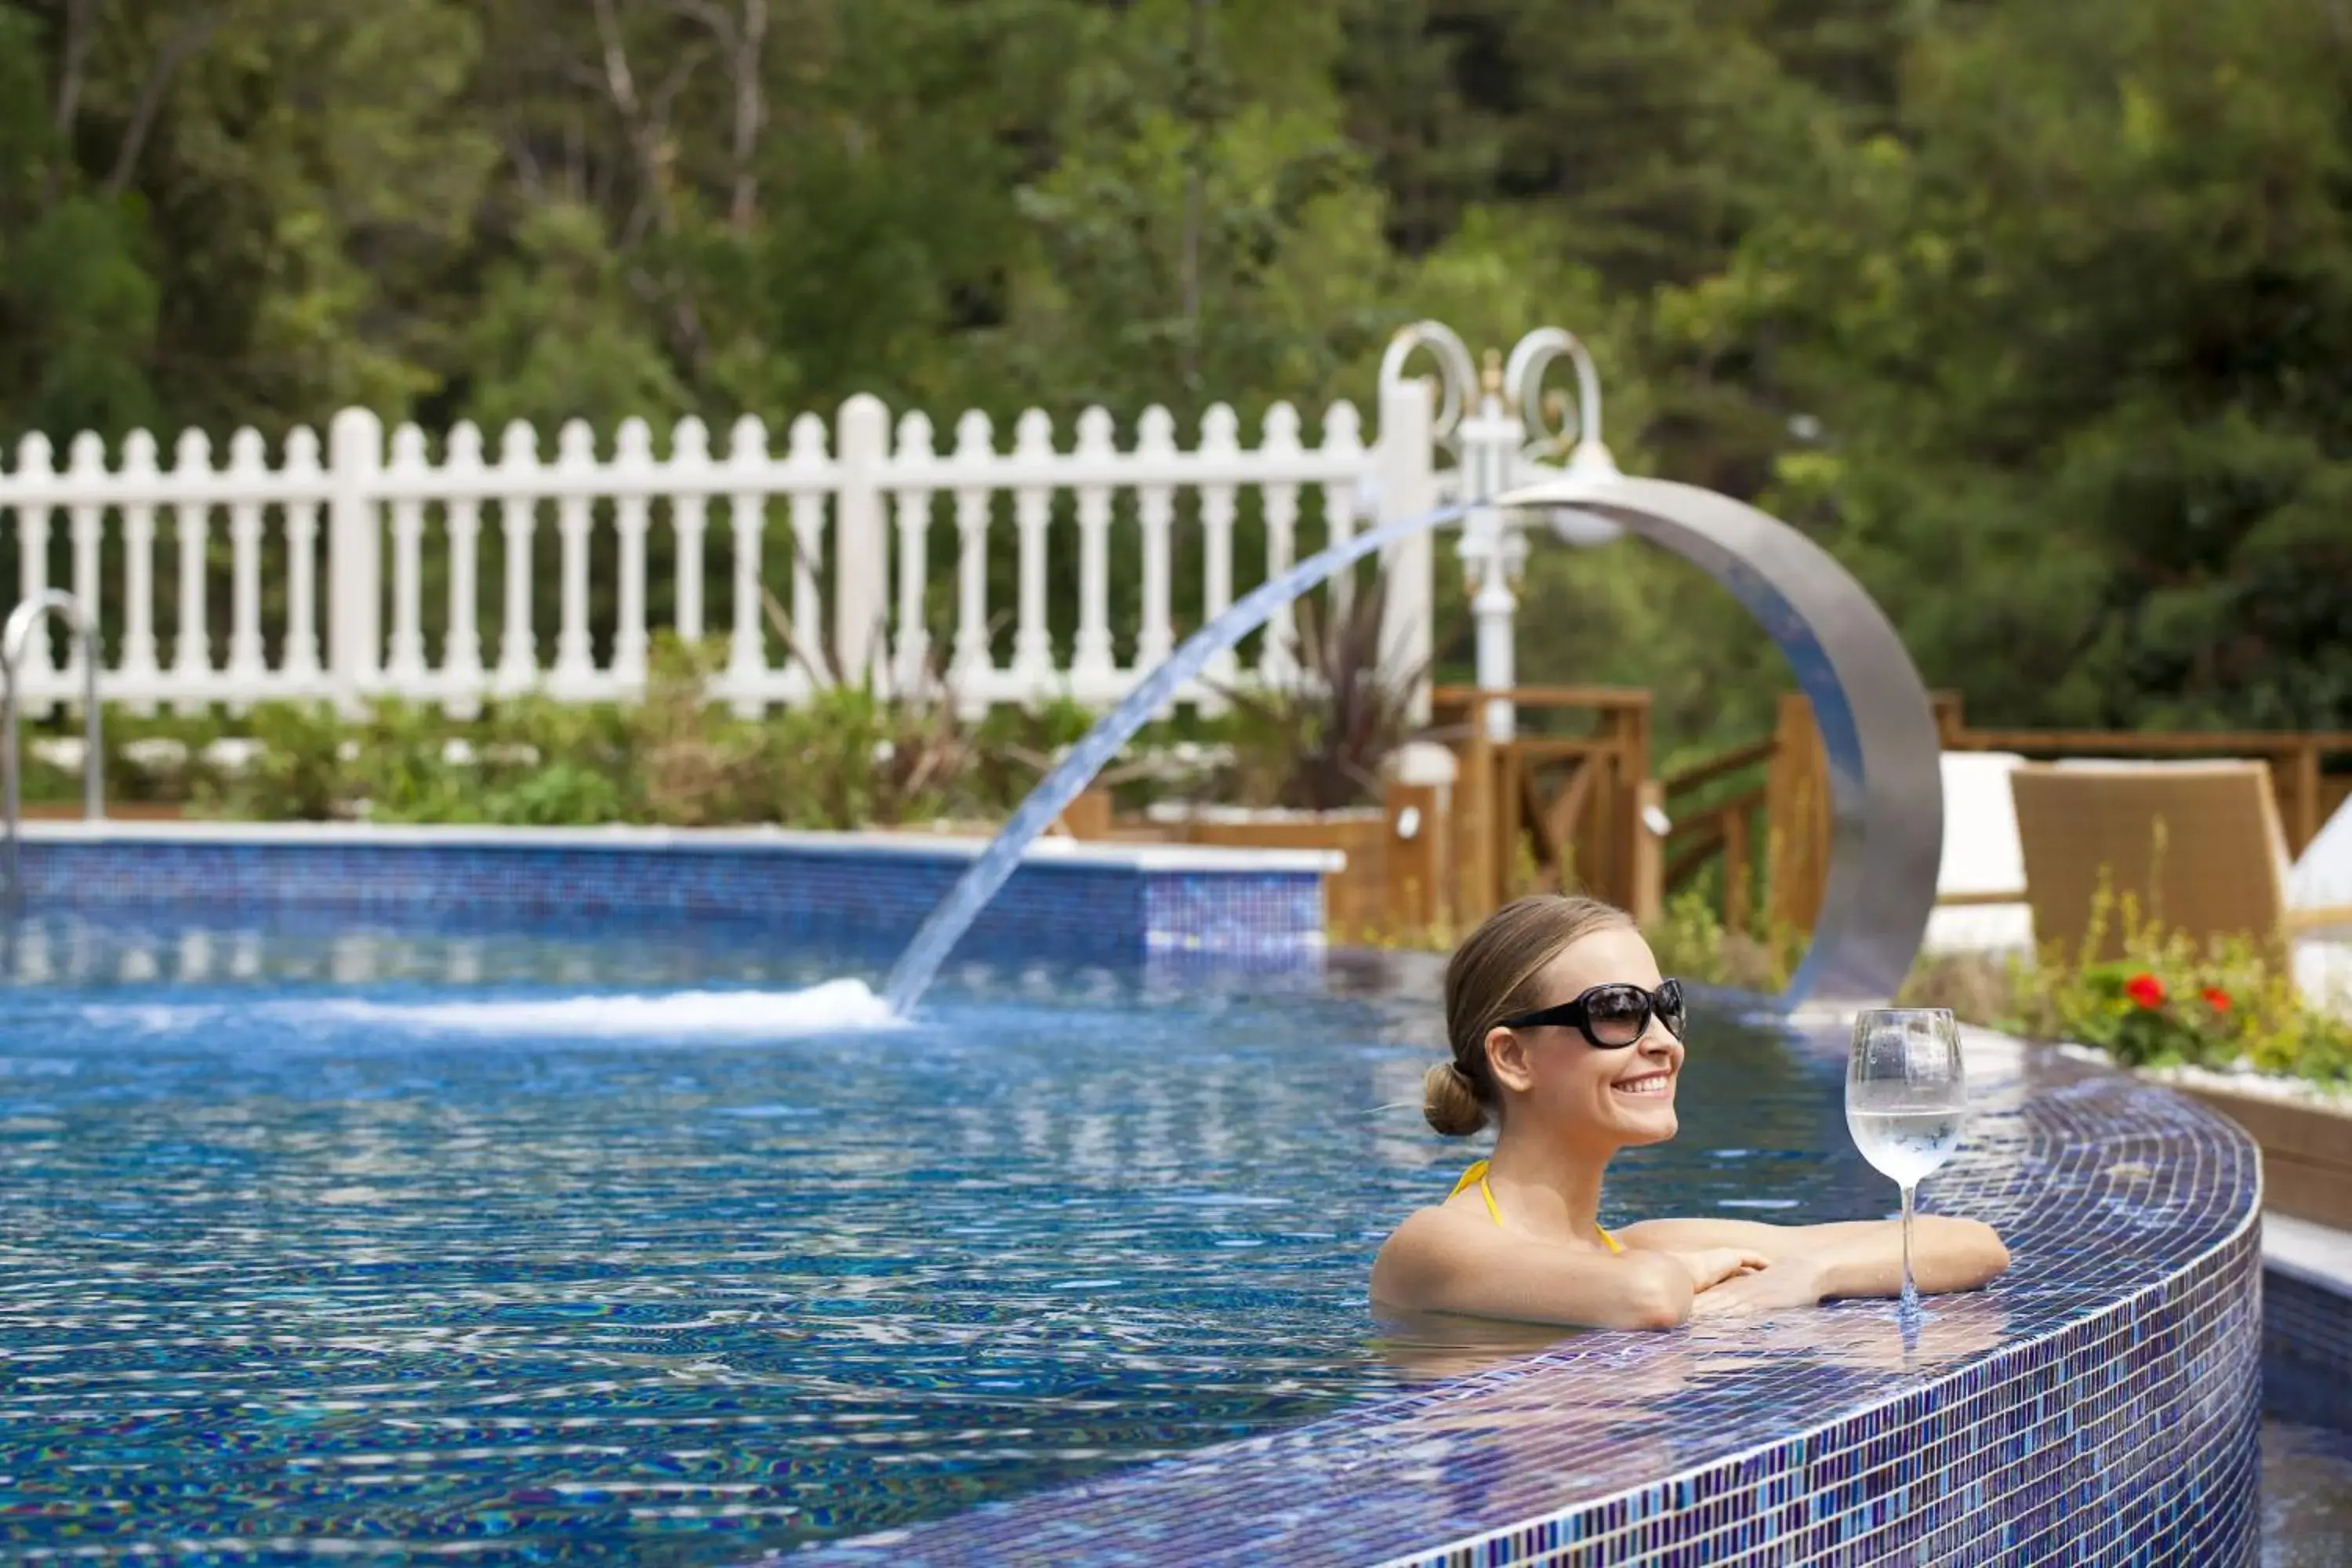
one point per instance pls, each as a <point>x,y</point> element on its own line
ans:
<point>1904,1101</point>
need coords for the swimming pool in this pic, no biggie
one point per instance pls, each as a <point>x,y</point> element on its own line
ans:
<point>339,1237</point>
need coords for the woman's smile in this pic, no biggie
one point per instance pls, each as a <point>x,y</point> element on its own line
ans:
<point>1649,1085</point>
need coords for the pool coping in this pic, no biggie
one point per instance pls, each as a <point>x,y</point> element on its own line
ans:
<point>2166,1366</point>
<point>913,843</point>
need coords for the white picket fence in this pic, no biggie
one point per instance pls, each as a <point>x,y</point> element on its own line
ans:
<point>326,575</point>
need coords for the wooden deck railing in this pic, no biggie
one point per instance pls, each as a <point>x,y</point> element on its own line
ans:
<point>1551,810</point>
<point>1568,804</point>
<point>1713,821</point>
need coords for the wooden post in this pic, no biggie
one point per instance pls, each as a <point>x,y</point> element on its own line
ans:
<point>1798,808</point>
<point>1510,827</point>
<point>2298,773</point>
<point>1626,829</point>
<point>1474,823</point>
<point>1416,826</point>
<point>1646,897</point>
<point>1949,722</point>
<point>1738,891</point>
<point>1088,816</point>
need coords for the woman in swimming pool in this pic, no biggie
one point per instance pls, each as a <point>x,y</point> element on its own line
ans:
<point>1564,1034</point>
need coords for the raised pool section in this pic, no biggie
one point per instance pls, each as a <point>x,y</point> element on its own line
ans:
<point>1104,902</point>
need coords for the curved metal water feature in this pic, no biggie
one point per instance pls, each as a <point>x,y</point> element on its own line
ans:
<point>1877,726</point>
<point>1887,804</point>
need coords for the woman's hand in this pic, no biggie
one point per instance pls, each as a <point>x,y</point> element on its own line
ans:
<point>1790,1282</point>
<point>1714,1265</point>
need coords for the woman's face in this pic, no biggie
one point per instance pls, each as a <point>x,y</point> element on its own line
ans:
<point>1617,1097</point>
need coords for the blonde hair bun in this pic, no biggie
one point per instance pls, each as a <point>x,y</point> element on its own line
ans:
<point>1450,1102</point>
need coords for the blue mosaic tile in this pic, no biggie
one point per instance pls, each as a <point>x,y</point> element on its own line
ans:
<point>2098,1404</point>
<point>1086,910</point>
<point>2307,1349</point>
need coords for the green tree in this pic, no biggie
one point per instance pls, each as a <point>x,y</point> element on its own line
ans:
<point>560,338</point>
<point>2075,345</point>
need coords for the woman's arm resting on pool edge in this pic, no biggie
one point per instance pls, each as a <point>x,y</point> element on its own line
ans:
<point>1434,1263</point>
<point>1859,1257</point>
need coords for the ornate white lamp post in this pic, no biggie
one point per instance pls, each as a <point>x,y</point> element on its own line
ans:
<point>1494,425</point>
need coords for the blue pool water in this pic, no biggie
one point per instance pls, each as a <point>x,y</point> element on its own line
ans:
<point>2306,1495</point>
<point>387,1242</point>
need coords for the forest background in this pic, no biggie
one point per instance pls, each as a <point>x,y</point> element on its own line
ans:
<point>2039,316</point>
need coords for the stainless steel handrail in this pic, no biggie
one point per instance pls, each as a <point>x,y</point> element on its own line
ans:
<point>23,621</point>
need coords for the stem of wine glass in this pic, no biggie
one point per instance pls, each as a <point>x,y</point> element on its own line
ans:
<point>1910,1288</point>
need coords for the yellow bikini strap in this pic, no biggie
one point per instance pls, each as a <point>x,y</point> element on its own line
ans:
<point>1476,1177</point>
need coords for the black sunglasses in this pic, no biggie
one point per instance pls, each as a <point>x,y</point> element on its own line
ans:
<point>1612,1016</point>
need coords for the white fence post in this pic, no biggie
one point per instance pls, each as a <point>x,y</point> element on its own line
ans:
<point>1093,673</point>
<point>809,661</point>
<point>1033,510</point>
<point>404,664</point>
<point>87,458</point>
<point>1408,487</point>
<point>191,665</point>
<point>461,648</point>
<point>914,508</point>
<point>575,477</point>
<point>33,465</point>
<point>248,468</point>
<point>1279,658</point>
<point>517,481</point>
<point>1220,442</point>
<point>689,458</point>
<point>860,561</point>
<point>354,557</point>
<point>1343,436</point>
<point>138,669</point>
<point>747,659</point>
<point>1155,511</point>
<point>301,659</point>
<point>974,664</point>
<point>634,467</point>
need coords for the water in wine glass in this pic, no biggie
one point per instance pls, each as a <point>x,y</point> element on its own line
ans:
<point>1905,1098</point>
<point>1904,1140</point>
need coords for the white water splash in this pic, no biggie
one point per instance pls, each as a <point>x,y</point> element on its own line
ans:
<point>832,1007</point>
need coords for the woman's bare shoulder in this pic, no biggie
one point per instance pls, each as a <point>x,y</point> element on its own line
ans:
<point>1427,1244</point>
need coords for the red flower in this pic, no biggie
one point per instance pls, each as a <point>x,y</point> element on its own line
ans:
<point>2145,990</point>
<point>2217,999</point>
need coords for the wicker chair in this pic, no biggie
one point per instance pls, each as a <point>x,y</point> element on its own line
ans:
<point>2222,870</point>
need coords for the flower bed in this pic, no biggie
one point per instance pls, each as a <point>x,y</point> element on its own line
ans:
<point>2233,1008</point>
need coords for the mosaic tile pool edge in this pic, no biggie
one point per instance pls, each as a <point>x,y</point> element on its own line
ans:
<point>1084,910</point>
<point>2111,1416</point>
<point>2087,1411</point>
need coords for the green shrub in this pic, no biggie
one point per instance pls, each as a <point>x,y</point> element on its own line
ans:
<point>1320,742</point>
<point>2167,1001</point>
<point>298,776</point>
<point>565,794</point>
<point>1691,941</point>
